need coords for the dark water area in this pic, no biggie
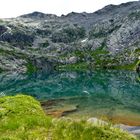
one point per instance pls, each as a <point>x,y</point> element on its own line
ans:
<point>114,95</point>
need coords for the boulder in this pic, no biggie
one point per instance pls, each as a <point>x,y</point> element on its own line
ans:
<point>96,121</point>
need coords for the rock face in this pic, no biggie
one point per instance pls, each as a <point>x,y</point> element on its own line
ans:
<point>107,38</point>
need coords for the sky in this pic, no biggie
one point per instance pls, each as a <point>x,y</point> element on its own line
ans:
<point>14,8</point>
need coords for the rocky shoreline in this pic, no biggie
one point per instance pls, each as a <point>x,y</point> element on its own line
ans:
<point>62,111</point>
<point>131,129</point>
<point>21,117</point>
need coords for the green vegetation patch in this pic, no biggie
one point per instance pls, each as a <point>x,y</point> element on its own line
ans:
<point>82,66</point>
<point>126,67</point>
<point>31,68</point>
<point>67,129</point>
<point>131,66</point>
<point>22,118</point>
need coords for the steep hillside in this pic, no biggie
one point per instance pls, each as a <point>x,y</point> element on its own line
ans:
<point>107,38</point>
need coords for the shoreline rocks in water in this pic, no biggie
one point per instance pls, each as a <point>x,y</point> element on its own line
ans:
<point>56,109</point>
<point>131,129</point>
<point>23,118</point>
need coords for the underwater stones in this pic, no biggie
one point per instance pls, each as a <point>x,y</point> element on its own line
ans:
<point>59,112</point>
<point>56,108</point>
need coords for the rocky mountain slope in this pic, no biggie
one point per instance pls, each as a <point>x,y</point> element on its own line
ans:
<point>107,38</point>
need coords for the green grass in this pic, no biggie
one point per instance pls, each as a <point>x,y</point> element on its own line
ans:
<point>82,66</point>
<point>125,67</point>
<point>132,66</point>
<point>22,118</point>
<point>30,67</point>
<point>81,130</point>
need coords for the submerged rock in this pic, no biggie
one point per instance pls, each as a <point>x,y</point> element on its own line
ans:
<point>57,109</point>
<point>62,111</point>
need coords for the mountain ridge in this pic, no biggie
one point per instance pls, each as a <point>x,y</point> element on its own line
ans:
<point>108,38</point>
<point>110,6</point>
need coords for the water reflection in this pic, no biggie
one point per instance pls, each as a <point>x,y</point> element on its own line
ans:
<point>57,85</point>
<point>105,92</point>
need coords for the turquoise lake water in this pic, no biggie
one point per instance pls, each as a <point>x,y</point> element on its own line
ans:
<point>114,95</point>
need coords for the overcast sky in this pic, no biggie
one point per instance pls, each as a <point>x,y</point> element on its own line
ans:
<point>13,8</point>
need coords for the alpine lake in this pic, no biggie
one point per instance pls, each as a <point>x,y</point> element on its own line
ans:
<point>112,95</point>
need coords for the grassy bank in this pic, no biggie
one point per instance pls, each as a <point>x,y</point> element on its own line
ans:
<point>22,118</point>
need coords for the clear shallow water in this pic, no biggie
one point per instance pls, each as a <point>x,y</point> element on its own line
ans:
<point>114,95</point>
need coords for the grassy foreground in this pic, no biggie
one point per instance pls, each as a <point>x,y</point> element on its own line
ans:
<point>22,118</point>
